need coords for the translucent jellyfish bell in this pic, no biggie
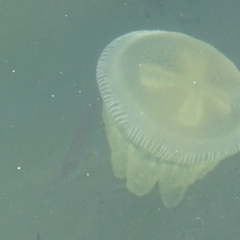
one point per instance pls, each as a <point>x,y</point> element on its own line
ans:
<point>170,108</point>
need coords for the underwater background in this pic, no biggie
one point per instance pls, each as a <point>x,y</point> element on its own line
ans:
<point>56,179</point>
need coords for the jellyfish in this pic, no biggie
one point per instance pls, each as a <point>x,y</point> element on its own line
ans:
<point>171,109</point>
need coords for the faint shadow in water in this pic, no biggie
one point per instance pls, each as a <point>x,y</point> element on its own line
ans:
<point>83,146</point>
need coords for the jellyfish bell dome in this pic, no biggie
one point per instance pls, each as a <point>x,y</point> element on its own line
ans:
<point>170,108</point>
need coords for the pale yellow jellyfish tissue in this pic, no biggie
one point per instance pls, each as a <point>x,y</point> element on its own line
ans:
<point>171,108</point>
